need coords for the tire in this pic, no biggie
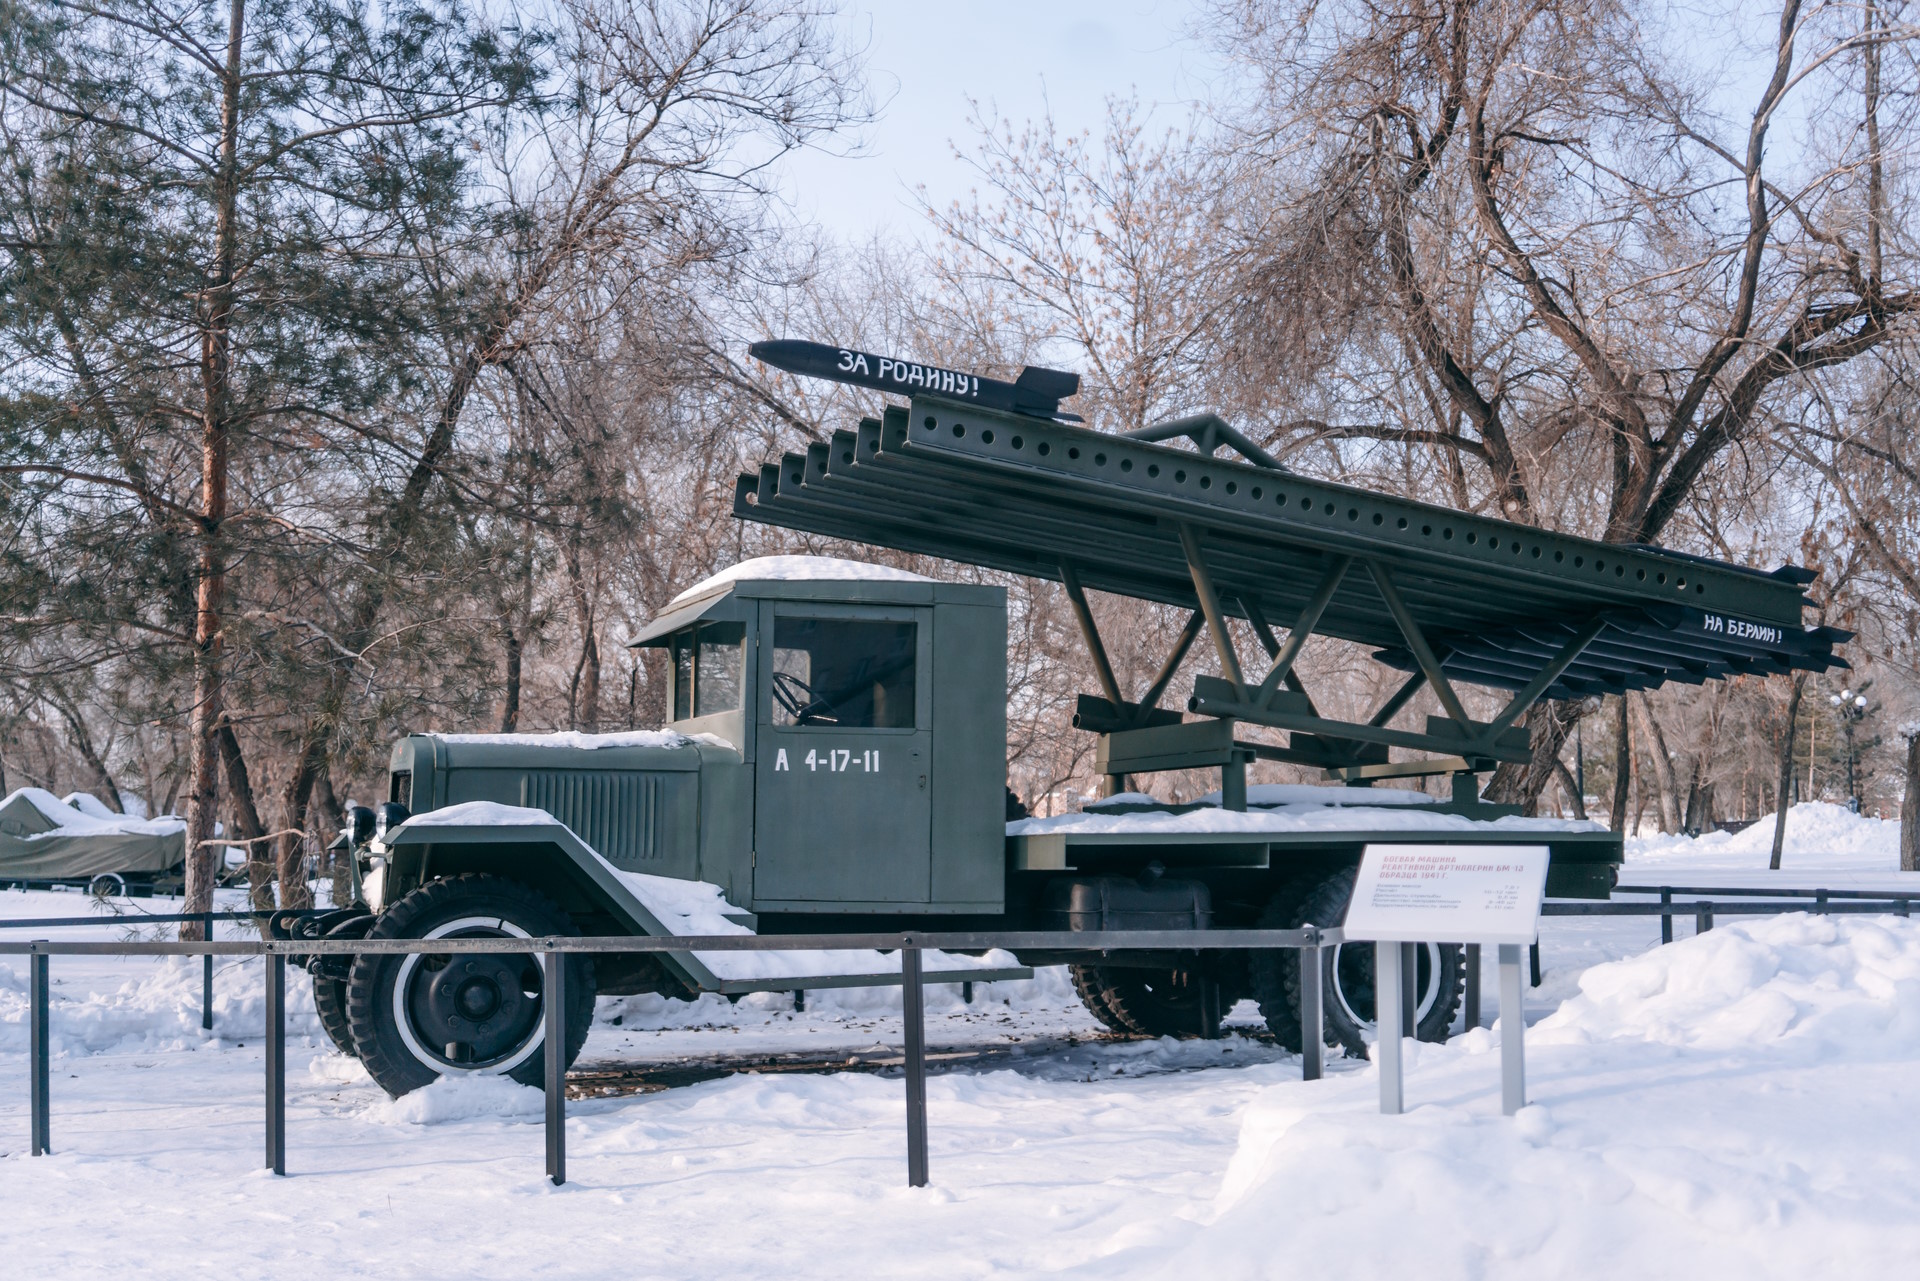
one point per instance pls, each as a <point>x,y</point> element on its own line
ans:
<point>1271,971</point>
<point>1091,987</point>
<point>394,1002</point>
<point>1158,1002</point>
<point>1347,998</point>
<point>330,1001</point>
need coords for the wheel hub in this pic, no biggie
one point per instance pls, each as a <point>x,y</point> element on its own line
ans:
<point>474,1011</point>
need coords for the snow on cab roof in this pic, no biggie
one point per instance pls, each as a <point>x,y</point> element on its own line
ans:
<point>799,569</point>
<point>575,739</point>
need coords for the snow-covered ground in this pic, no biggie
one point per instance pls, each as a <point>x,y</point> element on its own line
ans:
<point>1738,1104</point>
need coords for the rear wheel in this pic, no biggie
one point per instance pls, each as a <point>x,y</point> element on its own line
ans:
<point>1348,975</point>
<point>1154,1002</point>
<point>420,1016</point>
<point>1091,987</point>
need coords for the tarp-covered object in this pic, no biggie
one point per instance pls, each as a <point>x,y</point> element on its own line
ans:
<point>43,837</point>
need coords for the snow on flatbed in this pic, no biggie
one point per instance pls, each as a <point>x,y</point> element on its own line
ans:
<point>1737,1104</point>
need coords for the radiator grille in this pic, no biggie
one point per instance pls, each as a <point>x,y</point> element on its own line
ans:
<point>624,816</point>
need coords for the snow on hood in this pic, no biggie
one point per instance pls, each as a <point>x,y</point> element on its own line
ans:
<point>483,814</point>
<point>799,569</point>
<point>71,821</point>
<point>577,740</point>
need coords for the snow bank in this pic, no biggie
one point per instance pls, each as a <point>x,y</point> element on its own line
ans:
<point>799,569</point>
<point>159,1009</point>
<point>461,1098</point>
<point>1825,985</point>
<point>1729,1105</point>
<point>1820,836</point>
<point>96,818</point>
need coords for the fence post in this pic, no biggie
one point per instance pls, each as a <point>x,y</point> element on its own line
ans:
<point>1666,915</point>
<point>1702,917</point>
<point>1513,1032</point>
<point>555,998</point>
<point>276,1062</point>
<point>1472,1001</point>
<point>1313,1032</point>
<point>913,1010</point>
<point>1820,902</point>
<point>1410,989</point>
<point>1387,981</point>
<point>40,1090</point>
<point>206,979</point>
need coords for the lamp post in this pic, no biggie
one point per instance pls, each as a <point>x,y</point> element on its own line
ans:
<point>1851,708</point>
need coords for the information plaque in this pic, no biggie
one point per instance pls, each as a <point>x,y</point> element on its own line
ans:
<point>1459,893</point>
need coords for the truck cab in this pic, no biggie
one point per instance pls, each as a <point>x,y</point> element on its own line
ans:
<point>848,689</point>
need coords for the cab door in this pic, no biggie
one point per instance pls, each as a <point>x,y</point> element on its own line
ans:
<point>842,816</point>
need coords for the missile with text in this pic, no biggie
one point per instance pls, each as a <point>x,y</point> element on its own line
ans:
<point>1036,393</point>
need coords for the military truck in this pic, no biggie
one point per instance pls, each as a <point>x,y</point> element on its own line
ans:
<point>835,755</point>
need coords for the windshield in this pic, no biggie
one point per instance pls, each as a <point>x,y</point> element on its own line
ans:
<point>843,672</point>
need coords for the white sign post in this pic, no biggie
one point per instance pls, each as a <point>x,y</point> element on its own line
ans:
<point>1456,893</point>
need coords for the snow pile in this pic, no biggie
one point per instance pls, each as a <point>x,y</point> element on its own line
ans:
<point>1819,836</point>
<point>94,819</point>
<point>791,569</point>
<point>1824,985</point>
<point>461,1098</point>
<point>158,1009</point>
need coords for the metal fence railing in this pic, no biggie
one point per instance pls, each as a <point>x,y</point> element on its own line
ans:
<point>1309,941</point>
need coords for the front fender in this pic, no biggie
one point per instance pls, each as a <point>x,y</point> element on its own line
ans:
<point>546,856</point>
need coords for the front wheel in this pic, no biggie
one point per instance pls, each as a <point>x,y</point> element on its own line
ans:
<point>423,1015</point>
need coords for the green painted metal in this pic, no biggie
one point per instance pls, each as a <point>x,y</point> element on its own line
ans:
<point>1025,496</point>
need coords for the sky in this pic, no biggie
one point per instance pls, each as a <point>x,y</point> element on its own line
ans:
<point>1016,58</point>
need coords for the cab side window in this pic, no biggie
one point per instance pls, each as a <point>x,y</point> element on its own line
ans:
<point>707,662</point>
<point>847,673</point>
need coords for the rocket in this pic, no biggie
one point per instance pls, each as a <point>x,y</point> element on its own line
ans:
<point>1036,393</point>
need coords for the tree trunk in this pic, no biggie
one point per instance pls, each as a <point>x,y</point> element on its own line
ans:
<point>246,817</point>
<point>1622,766</point>
<point>210,597</point>
<point>1910,809</point>
<point>1576,802</point>
<point>1662,771</point>
<point>290,861</point>
<point>334,818</point>
<point>83,743</point>
<point>510,703</point>
<point>1786,771</point>
<point>1549,725</point>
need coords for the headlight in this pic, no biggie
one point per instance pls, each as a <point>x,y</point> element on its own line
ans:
<point>390,816</point>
